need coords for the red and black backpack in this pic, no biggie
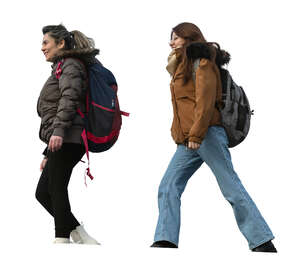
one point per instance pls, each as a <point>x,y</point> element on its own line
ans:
<point>103,117</point>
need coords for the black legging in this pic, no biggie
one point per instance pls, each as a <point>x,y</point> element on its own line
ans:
<point>52,189</point>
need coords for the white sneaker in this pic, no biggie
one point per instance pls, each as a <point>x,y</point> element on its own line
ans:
<point>80,236</point>
<point>61,240</point>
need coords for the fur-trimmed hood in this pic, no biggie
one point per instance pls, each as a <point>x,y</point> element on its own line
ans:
<point>203,50</point>
<point>87,55</point>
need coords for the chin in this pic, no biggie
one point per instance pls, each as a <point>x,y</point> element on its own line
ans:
<point>48,59</point>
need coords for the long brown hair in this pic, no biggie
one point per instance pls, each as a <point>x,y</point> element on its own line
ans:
<point>191,34</point>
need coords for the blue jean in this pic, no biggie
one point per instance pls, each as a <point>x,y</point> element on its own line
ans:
<point>214,152</point>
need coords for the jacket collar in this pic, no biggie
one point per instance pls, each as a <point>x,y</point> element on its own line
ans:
<point>174,60</point>
<point>87,55</point>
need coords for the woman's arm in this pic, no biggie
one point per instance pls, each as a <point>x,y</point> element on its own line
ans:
<point>205,98</point>
<point>70,85</point>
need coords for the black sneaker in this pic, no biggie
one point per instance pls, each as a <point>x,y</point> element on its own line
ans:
<point>163,244</point>
<point>266,247</point>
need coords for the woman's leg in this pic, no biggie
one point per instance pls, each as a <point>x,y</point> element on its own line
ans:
<point>60,165</point>
<point>214,151</point>
<point>42,194</point>
<point>182,166</point>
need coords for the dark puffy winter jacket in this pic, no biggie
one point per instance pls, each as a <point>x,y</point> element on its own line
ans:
<point>60,98</point>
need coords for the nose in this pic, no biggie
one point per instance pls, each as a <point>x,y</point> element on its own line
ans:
<point>171,43</point>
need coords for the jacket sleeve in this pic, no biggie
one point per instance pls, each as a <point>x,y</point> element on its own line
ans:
<point>70,86</point>
<point>205,97</point>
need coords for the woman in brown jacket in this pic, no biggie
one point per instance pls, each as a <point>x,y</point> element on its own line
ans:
<point>61,125</point>
<point>200,137</point>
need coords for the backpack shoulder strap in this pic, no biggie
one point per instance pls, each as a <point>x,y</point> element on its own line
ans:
<point>195,66</point>
<point>58,68</point>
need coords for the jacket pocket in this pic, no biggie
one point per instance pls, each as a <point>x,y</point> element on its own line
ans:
<point>185,109</point>
<point>184,90</point>
<point>182,97</point>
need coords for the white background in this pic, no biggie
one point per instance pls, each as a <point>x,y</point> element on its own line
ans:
<point>119,208</point>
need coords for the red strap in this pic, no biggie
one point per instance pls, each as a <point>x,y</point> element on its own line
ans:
<point>124,113</point>
<point>80,113</point>
<point>87,173</point>
<point>102,107</point>
<point>107,109</point>
<point>58,69</point>
<point>104,139</point>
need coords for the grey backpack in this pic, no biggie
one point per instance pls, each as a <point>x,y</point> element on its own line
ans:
<point>234,108</point>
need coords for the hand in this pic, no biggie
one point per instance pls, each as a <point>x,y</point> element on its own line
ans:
<point>55,143</point>
<point>193,145</point>
<point>43,163</point>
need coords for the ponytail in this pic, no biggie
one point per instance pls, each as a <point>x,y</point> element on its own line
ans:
<point>81,41</point>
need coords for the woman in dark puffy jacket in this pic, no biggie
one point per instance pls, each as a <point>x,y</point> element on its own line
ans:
<point>200,137</point>
<point>61,125</point>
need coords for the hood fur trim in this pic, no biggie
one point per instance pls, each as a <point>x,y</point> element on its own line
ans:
<point>87,54</point>
<point>203,50</point>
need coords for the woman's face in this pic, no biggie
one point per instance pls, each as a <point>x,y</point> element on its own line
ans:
<point>176,41</point>
<point>50,48</point>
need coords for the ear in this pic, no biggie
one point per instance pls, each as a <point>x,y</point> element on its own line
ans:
<point>61,44</point>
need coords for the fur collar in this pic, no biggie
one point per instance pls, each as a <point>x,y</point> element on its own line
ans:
<point>203,50</point>
<point>87,55</point>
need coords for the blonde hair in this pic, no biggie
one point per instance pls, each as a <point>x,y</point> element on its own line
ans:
<point>81,41</point>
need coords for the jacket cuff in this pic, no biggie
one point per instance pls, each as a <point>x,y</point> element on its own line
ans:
<point>195,139</point>
<point>59,132</point>
<point>45,152</point>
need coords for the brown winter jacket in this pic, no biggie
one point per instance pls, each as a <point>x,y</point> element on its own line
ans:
<point>194,103</point>
<point>59,99</point>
